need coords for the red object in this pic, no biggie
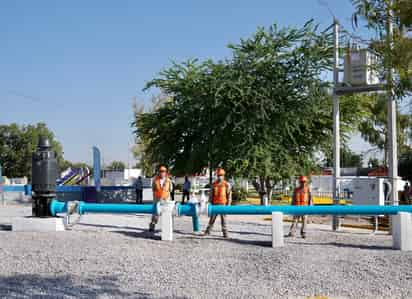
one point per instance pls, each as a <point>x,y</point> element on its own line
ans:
<point>220,171</point>
<point>327,172</point>
<point>380,171</point>
<point>303,179</point>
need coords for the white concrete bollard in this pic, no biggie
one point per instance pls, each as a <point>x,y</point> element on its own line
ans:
<point>402,231</point>
<point>166,214</point>
<point>277,229</point>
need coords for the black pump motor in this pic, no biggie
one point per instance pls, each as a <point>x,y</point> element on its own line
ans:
<point>44,175</point>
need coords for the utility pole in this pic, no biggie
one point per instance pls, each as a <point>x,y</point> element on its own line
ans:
<point>336,120</point>
<point>392,133</point>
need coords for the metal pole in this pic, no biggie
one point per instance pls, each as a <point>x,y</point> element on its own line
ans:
<point>392,133</point>
<point>336,129</point>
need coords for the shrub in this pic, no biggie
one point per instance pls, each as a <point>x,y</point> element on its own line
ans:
<point>239,194</point>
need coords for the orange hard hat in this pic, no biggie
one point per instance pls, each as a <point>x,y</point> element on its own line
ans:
<point>303,179</point>
<point>220,171</point>
<point>162,168</point>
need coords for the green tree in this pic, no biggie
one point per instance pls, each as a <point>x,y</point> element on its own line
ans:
<point>350,158</point>
<point>17,143</point>
<point>141,154</point>
<point>373,127</point>
<point>117,166</point>
<point>264,112</point>
<point>374,162</point>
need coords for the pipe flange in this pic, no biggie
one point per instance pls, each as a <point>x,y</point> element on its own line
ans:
<point>158,209</point>
<point>177,209</point>
<point>72,207</point>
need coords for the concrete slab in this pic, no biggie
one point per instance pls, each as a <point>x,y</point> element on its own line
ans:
<point>33,224</point>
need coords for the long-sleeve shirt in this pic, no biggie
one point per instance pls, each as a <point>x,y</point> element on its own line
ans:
<point>187,186</point>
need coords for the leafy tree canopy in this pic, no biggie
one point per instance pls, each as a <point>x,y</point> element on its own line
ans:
<point>17,143</point>
<point>117,166</point>
<point>264,112</point>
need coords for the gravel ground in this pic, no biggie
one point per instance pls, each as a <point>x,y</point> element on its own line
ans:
<point>106,256</point>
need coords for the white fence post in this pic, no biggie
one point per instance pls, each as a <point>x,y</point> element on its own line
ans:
<point>166,214</point>
<point>277,229</point>
<point>402,231</point>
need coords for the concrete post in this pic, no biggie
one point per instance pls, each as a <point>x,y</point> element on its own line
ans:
<point>402,231</point>
<point>277,229</point>
<point>166,213</point>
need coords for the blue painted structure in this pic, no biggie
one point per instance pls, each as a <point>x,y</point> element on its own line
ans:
<point>190,209</point>
<point>308,210</point>
<point>57,207</point>
<point>83,191</point>
<point>116,208</point>
<point>15,188</point>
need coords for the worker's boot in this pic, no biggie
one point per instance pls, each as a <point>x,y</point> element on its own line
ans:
<point>207,232</point>
<point>303,235</point>
<point>151,227</point>
<point>225,234</point>
<point>290,235</point>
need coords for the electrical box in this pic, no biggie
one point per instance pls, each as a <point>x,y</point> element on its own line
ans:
<point>360,68</point>
<point>369,191</point>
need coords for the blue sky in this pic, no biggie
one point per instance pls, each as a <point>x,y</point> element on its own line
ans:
<point>77,65</point>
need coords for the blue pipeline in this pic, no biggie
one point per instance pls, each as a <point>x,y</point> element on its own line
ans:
<point>116,208</point>
<point>57,207</point>
<point>308,210</point>
<point>186,210</point>
<point>189,210</point>
<point>61,207</point>
<point>196,223</point>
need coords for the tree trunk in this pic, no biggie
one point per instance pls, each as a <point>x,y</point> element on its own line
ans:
<point>262,191</point>
<point>269,189</point>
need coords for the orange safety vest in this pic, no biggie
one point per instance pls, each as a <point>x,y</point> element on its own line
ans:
<point>220,191</point>
<point>301,196</point>
<point>162,192</point>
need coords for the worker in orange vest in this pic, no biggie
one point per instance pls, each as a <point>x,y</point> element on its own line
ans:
<point>221,195</point>
<point>301,197</point>
<point>161,187</point>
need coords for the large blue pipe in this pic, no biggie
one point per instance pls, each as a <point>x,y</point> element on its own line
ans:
<point>308,210</point>
<point>190,210</point>
<point>83,207</point>
<point>57,207</point>
<point>116,208</point>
